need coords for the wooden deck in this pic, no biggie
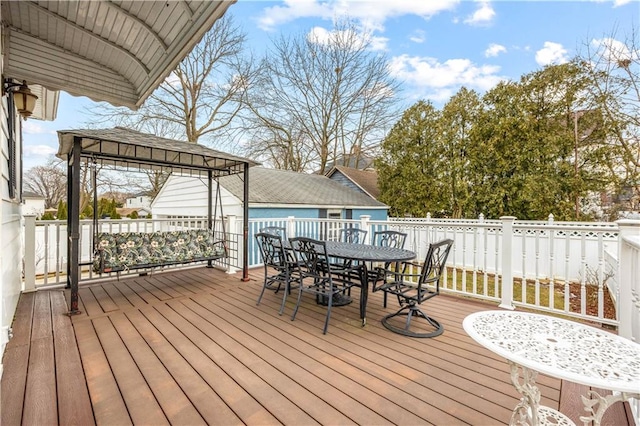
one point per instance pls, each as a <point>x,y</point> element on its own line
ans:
<point>191,347</point>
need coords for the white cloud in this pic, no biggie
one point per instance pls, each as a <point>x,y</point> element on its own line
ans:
<point>551,53</point>
<point>494,50</point>
<point>617,3</point>
<point>323,36</point>
<point>42,151</point>
<point>418,36</point>
<point>31,127</point>
<point>613,51</point>
<point>379,43</point>
<point>438,81</point>
<point>172,80</point>
<point>370,14</point>
<point>482,16</point>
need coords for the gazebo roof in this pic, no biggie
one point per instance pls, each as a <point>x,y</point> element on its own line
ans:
<point>130,149</point>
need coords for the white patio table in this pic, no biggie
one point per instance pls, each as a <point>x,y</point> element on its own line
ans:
<point>560,348</point>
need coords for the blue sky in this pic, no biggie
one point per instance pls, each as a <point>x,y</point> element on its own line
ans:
<point>434,47</point>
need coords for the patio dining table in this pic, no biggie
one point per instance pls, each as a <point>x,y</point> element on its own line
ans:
<point>579,353</point>
<point>365,253</point>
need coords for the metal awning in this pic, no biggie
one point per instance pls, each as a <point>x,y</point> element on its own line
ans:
<point>129,149</point>
<point>108,50</point>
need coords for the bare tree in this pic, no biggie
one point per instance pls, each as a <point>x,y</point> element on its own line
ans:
<point>319,97</point>
<point>49,181</point>
<point>614,67</point>
<point>199,98</point>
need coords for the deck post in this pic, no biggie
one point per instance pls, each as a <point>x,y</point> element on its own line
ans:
<point>245,226</point>
<point>628,283</point>
<point>506,272</point>
<point>73,231</point>
<point>29,253</point>
<point>364,224</point>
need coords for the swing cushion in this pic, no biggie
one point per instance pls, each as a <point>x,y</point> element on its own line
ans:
<point>135,250</point>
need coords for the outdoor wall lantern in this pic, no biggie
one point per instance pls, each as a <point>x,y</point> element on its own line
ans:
<point>23,99</point>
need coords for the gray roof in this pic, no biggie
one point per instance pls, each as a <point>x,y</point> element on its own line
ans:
<point>31,194</point>
<point>132,149</point>
<point>272,186</point>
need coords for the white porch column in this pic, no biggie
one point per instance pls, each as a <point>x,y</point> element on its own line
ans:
<point>291,226</point>
<point>628,279</point>
<point>364,225</point>
<point>507,264</point>
<point>29,283</point>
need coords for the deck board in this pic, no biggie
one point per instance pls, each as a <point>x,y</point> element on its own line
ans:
<point>191,347</point>
<point>40,406</point>
<point>74,404</point>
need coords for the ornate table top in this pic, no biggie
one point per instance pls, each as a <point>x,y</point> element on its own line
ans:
<point>560,348</point>
<point>366,252</point>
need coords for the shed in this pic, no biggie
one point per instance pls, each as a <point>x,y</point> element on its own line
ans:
<point>272,194</point>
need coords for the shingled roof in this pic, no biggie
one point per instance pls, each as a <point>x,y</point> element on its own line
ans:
<point>272,186</point>
<point>367,180</point>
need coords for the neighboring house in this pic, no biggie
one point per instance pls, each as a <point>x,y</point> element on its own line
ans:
<point>33,204</point>
<point>365,181</point>
<point>355,161</point>
<point>118,52</point>
<point>272,194</point>
<point>126,211</point>
<point>139,200</point>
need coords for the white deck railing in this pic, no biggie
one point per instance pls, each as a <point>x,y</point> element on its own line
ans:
<point>577,269</point>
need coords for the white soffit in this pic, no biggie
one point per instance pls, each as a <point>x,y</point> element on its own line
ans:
<point>114,51</point>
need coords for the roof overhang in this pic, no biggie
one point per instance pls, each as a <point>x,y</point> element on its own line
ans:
<point>113,51</point>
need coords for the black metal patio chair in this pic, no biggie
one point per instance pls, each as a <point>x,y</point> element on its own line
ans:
<point>350,270</point>
<point>352,235</point>
<point>279,269</point>
<point>386,238</point>
<point>412,288</point>
<point>276,230</point>
<point>315,276</point>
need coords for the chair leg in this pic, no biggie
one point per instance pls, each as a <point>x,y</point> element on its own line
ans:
<point>264,287</point>
<point>285,293</point>
<point>411,311</point>
<point>326,321</point>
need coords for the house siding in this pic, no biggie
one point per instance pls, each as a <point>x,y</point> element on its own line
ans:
<point>186,197</point>
<point>10,227</point>
<point>375,214</point>
<point>343,180</point>
<point>280,212</point>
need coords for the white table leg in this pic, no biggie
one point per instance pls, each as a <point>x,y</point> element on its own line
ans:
<point>529,411</point>
<point>596,405</point>
<point>524,380</point>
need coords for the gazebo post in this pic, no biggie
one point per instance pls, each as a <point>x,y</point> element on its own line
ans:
<point>245,226</point>
<point>73,221</point>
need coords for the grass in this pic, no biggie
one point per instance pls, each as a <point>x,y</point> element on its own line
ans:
<point>534,294</point>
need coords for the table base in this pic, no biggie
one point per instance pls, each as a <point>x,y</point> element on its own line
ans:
<point>529,411</point>
<point>338,300</point>
<point>597,405</point>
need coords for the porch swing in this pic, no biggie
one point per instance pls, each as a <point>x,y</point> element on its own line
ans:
<point>127,149</point>
<point>127,251</point>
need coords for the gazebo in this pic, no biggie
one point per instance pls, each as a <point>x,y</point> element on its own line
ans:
<point>127,149</point>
